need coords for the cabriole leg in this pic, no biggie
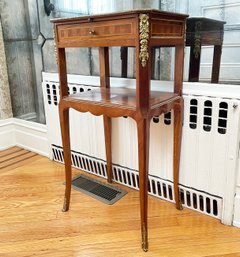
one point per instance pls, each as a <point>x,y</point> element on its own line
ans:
<point>64,122</point>
<point>143,127</point>
<point>178,121</point>
<point>108,146</point>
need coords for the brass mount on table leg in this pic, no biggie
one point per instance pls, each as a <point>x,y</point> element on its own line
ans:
<point>144,238</point>
<point>65,205</point>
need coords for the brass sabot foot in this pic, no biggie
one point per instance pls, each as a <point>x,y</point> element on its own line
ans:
<point>65,206</point>
<point>179,206</point>
<point>145,246</point>
<point>144,238</point>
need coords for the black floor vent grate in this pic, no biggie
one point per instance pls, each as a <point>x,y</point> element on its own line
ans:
<point>97,189</point>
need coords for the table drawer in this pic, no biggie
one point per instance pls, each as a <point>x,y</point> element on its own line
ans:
<point>95,30</point>
<point>166,28</point>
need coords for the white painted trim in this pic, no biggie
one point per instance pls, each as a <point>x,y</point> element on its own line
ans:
<point>26,134</point>
<point>223,65</point>
<point>29,116</point>
<point>227,45</point>
<point>220,6</point>
<point>224,80</point>
<point>32,136</point>
<point>236,216</point>
<point>73,79</point>
<point>236,224</point>
<point>7,134</point>
<point>232,165</point>
<point>30,125</point>
<point>225,6</point>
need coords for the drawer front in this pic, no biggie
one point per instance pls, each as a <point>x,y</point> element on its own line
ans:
<point>211,38</point>
<point>95,31</point>
<point>165,28</point>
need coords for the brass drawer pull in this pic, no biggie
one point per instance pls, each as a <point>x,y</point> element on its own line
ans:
<point>92,32</point>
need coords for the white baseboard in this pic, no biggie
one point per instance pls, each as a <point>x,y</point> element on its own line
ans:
<point>236,224</point>
<point>236,217</point>
<point>26,134</point>
<point>7,134</point>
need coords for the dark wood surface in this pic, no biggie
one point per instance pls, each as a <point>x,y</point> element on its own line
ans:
<point>168,16</point>
<point>210,31</point>
<point>123,98</point>
<point>201,32</point>
<point>141,29</point>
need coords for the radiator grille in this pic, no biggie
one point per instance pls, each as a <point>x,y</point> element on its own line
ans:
<point>190,197</point>
<point>222,117</point>
<point>207,116</point>
<point>52,91</point>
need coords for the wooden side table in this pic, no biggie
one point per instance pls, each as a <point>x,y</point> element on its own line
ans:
<point>142,29</point>
<point>203,31</point>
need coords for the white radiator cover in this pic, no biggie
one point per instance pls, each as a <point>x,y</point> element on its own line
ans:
<point>210,143</point>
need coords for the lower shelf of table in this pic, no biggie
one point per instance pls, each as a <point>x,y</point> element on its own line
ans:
<point>119,98</point>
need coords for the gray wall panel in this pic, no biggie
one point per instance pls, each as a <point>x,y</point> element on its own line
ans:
<point>20,77</point>
<point>37,73</point>
<point>46,26</point>
<point>13,15</point>
<point>78,61</point>
<point>115,62</point>
<point>49,58</point>
<point>94,61</point>
<point>32,9</point>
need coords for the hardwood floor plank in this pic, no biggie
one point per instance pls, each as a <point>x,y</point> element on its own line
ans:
<point>225,255</point>
<point>19,160</point>
<point>13,155</point>
<point>32,223</point>
<point>10,151</point>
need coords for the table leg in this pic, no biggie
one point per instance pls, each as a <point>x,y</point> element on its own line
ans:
<point>216,63</point>
<point>108,146</point>
<point>143,127</point>
<point>64,123</point>
<point>194,66</point>
<point>105,83</point>
<point>153,55</point>
<point>124,58</point>
<point>178,120</point>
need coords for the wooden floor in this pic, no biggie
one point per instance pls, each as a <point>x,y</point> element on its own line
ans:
<point>32,223</point>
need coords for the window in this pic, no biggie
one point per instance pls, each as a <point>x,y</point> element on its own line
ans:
<point>84,7</point>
